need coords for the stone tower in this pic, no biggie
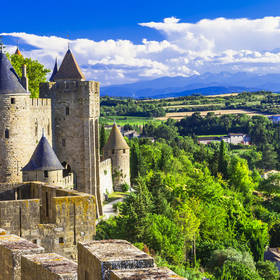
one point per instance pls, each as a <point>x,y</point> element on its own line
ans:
<point>43,166</point>
<point>75,125</point>
<point>117,149</point>
<point>15,128</point>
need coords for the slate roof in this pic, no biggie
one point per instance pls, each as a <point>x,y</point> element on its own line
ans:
<point>55,69</point>
<point>43,158</point>
<point>69,69</point>
<point>9,80</point>
<point>115,140</point>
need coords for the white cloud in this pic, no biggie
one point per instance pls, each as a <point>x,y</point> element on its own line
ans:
<point>188,48</point>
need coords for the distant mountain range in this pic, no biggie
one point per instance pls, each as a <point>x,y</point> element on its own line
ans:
<point>206,84</point>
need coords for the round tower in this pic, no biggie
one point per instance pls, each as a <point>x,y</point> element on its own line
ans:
<point>117,149</point>
<point>15,130</point>
<point>43,166</point>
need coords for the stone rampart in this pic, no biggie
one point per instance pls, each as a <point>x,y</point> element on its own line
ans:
<point>54,218</point>
<point>48,266</point>
<point>12,248</point>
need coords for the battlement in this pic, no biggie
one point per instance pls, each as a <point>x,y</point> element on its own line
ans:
<point>28,262</point>
<point>70,86</point>
<point>53,217</point>
<point>45,266</point>
<point>40,102</point>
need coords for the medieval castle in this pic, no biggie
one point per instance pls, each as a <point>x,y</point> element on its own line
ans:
<point>48,145</point>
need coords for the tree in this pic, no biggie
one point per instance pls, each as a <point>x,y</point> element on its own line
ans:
<point>238,271</point>
<point>239,175</point>
<point>220,256</point>
<point>222,164</point>
<point>36,72</point>
<point>267,270</point>
<point>271,185</point>
<point>103,137</point>
<point>269,157</point>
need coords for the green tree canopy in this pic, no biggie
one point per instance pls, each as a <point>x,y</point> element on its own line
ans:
<point>36,72</point>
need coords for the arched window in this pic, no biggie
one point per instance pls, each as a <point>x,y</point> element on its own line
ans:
<point>7,134</point>
<point>66,170</point>
<point>63,142</point>
<point>67,111</point>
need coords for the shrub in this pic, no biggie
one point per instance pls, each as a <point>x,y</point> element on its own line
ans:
<point>125,187</point>
<point>267,270</point>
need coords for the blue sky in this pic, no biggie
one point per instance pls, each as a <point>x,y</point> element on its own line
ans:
<point>119,42</point>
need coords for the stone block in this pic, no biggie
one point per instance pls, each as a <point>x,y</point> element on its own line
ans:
<point>145,274</point>
<point>97,258</point>
<point>12,248</point>
<point>48,267</point>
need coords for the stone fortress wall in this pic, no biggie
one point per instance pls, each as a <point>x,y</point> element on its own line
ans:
<point>106,177</point>
<point>52,217</point>
<point>22,120</point>
<point>40,119</point>
<point>98,260</point>
<point>75,125</point>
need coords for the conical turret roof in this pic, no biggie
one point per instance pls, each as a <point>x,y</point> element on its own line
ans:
<point>115,140</point>
<point>69,69</point>
<point>9,80</point>
<point>55,69</point>
<point>43,158</point>
<point>18,52</point>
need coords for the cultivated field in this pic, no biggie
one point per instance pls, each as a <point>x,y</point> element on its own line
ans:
<point>181,115</point>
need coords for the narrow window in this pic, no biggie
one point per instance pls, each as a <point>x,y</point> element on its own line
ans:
<point>86,275</point>
<point>7,134</point>
<point>63,142</point>
<point>113,152</point>
<point>46,174</point>
<point>13,101</point>
<point>49,130</point>
<point>124,151</point>
<point>61,240</point>
<point>47,205</point>
<point>67,111</point>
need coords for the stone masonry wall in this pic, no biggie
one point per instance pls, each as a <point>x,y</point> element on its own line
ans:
<point>15,136</point>
<point>40,118</point>
<point>106,183</point>
<point>21,217</point>
<point>21,123</point>
<point>12,248</point>
<point>97,258</point>
<point>75,112</point>
<point>48,267</point>
<point>120,162</point>
<point>54,218</point>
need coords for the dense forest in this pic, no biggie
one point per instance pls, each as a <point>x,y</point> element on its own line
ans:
<point>203,210</point>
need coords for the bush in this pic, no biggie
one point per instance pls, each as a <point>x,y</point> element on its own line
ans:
<point>117,206</point>
<point>125,187</point>
<point>267,270</point>
<point>220,256</point>
<point>238,271</point>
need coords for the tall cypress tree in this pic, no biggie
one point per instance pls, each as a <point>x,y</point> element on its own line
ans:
<point>103,137</point>
<point>222,164</point>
